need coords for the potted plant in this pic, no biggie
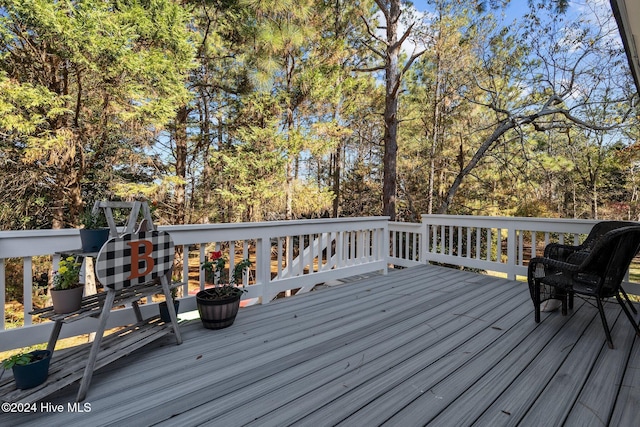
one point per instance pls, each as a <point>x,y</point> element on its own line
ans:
<point>95,232</point>
<point>218,306</point>
<point>29,369</point>
<point>66,293</point>
<point>164,308</point>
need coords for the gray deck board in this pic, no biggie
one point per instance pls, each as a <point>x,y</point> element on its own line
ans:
<point>420,346</point>
<point>582,389</point>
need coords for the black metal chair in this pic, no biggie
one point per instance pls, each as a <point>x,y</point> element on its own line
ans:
<point>575,253</point>
<point>597,273</point>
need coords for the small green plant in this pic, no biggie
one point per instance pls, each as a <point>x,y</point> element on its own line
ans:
<point>67,276</point>
<point>19,359</point>
<point>92,221</point>
<point>216,273</point>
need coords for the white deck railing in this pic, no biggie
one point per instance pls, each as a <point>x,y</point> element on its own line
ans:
<point>286,256</point>
<point>492,244</point>
<point>498,244</point>
<point>297,255</point>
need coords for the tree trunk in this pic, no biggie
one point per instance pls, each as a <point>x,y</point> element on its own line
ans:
<point>337,158</point>
<point>434,136</point>
<point>181,165</point>
<point>594,199</point>
<point>392,84</point>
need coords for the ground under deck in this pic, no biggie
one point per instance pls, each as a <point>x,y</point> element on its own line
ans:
<point>424,345</point>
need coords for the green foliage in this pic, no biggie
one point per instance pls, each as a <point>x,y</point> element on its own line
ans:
<point>215,268</point>
<point>67,275</point>
<point>259,109</point>
<point>112,78</point>
<point>92,220</point>
<point>216,273</point>
<point>19,359</point>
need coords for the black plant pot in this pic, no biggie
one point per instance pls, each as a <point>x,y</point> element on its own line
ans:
<point>217,313</point>
<point>34,373</point>
<point>92,240</point>
<point>164,310</point>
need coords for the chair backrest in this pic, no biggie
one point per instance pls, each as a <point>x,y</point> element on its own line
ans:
<point>602,228</point>
<point>610,257</point>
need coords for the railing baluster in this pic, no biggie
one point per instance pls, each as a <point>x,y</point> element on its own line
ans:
<point>499,245</point>
<point>27,286</point>
<point>201,273</point>
<point>279,248</point>
<point>3,294</point>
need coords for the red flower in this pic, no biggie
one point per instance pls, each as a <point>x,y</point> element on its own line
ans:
<point>216,255</point>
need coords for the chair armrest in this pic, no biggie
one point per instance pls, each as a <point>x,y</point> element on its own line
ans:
<point>559,251</point>
<point>539,266</point>
<point>577,257</point>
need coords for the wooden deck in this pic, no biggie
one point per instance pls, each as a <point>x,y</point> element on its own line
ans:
<point>420,346</point>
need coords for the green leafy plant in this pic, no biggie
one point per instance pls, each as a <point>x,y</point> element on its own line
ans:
<point>93,220</point>
<point>20,359</point>
<point>67,276</point>
<point>216,273</point>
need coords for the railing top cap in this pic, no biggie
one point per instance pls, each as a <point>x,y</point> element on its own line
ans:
<point>278,223</point>
<point>472,218</point>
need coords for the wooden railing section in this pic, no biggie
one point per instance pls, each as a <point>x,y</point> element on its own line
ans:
<point>287,256</point>
<point>495,244</point>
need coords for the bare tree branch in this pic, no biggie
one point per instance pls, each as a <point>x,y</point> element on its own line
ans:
<point>372,34</point>
<point>383,9</point>
<point>369,70</point>
<point>404,36</point>
<point>374,50</point>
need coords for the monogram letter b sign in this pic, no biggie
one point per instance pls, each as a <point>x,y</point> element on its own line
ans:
<point>134,259</point>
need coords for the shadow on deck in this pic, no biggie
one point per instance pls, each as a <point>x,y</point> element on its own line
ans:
<point>424,345</point>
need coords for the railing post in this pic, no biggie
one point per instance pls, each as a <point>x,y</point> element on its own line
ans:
<point>424,241</point>
<point>383,252</point>
<point>263,267</point>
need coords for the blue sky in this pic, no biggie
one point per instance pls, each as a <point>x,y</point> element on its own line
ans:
<point>516,8</point>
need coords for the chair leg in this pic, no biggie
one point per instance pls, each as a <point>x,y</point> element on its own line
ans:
<point>628,314</point>
<point>536,301</point>
<point>604,323</point>
<point>570,299</point>
<point>626,297</point>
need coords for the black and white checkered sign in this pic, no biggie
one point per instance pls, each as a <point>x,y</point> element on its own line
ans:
<point>134,259</point>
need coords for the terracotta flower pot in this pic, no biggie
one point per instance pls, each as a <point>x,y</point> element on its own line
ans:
<point>67,300</point>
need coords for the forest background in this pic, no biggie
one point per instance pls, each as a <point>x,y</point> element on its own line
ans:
<point>250,110</point>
